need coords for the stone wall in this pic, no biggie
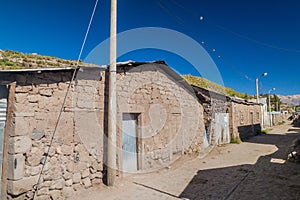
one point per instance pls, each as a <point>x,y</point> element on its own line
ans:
<point>72,159</point>
<point>69,165</point>
<point>170,118</point>
<point>246,119</point>
<point>213,103</point>
<point>277,117</point>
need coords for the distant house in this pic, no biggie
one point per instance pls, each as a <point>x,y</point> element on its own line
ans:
<point>228,118</point>
<point>246,119</point>
<point>216,115</point>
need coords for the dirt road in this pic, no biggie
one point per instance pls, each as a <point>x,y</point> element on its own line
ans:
<point>256,169</point>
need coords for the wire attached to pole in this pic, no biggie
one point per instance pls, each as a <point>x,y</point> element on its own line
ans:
<point>36,189</point>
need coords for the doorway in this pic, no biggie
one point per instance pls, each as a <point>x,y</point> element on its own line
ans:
<point>129,143</point>
<point>3,108</point>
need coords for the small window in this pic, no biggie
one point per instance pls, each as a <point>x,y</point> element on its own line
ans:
<point>241,118</point>
<point>257,117</point>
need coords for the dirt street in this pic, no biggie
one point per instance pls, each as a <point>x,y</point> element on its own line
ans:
<point>256,169</point>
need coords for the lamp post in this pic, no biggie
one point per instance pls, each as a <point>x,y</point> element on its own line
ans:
<point>269,97</point>
<point>256,84</point>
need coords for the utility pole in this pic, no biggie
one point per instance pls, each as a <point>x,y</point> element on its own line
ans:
<point>269,97</point>
<point>270,117</point>
<point>256,85</point>
<point>112,98</point>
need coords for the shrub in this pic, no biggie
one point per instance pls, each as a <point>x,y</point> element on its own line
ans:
<point>265,131</point>
<point>236,140</point>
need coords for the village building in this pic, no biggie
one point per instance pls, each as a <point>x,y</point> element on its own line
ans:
<point>269,118</point>
<point>228,119</point>
<point>246,119</point>
<point>159,119</point>
<point>216,116</point>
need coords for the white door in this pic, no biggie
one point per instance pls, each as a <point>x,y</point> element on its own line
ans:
<point>222,128</point>
<point>3,105</point>
<point>129,143</point>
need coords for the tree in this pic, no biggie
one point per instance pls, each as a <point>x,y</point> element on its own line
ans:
<point>275,102</point>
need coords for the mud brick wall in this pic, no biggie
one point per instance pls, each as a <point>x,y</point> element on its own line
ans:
<point>70,165</point>
<point>246,120</point>
<point>277,118</point>
<point>212,103</point>
<point>170,116</point>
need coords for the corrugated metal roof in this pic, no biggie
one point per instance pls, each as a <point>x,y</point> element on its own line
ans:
<point>233,99</point>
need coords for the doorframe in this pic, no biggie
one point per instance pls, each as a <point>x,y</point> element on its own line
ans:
<point>138,120</point>
<point>7,130</point>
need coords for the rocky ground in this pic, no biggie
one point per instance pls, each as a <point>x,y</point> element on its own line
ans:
<point>256,169</point>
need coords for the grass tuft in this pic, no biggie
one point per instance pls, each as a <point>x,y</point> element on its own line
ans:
<point>236,140</point>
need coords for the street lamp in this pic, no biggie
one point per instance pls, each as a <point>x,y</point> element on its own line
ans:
<point>269,96</point>
<point>256,84</point>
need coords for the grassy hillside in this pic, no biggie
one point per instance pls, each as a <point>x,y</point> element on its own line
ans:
<point>207,84</point>
<point>10,60</point>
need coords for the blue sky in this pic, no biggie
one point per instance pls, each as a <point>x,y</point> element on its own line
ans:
<point>251,36</point>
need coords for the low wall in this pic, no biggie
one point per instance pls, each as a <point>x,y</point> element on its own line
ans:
<point>277,118</point>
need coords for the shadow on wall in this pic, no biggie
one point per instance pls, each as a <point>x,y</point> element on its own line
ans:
<point>269,178</point>
<point>105,135</point>
<point>246,132</point>
<point>3,92</point>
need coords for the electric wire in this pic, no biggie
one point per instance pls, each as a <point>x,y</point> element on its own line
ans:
<point>64,100</point>
<point>235,33</point>
<point>181,22</point>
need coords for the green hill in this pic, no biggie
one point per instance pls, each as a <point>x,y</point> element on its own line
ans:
<point>10,60</point>
<point>207,84</point>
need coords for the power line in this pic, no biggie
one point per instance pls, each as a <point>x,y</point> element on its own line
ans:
<point>257,41</point>
<point>235,33</point>
<point>182,22</point>
<point>64,100</point>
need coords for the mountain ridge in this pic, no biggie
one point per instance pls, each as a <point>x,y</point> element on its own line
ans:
<point>293,100</point>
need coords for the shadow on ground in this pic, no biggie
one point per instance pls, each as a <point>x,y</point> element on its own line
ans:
<point>271,177</point>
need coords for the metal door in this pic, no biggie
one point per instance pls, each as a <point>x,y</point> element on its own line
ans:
<point>206,141</point>
<point>129,143</point>
<point>3,105</point>
<point>222,128</point>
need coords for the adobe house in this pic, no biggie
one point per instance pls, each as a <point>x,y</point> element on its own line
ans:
<point>227,118</point>
<point>246,118</point>
<point>159,118</point>
<point>216,114</point>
